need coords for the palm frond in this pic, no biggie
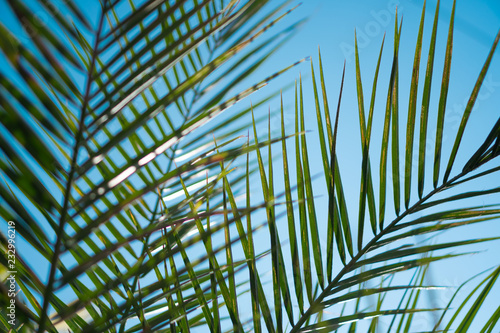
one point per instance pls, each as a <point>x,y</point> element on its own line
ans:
<point>125,175</point>
<point>103,201</point>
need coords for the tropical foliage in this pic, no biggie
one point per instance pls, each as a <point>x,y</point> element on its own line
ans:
<point>137,203</point>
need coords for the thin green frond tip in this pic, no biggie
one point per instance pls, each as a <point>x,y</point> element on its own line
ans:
<point>361,112</point>
<point>326,167</point>
<point>410,125</point>
<point>321,134</point>
<point>334,220</point>
<point>395,126</point>
<point>311,209</point>
<point>366,184</point>
<point>275,243</point>
<point>304,233</point>
<point>294,250</point>
<point>272,228</point>
<point>251,249</point>
<point>424,114</point>
<point>359,90</point>
<point>335,178</point>
<point>229,256</point>
<point>366,168</point>
<point>326,108</point>
<point>386,128</point>
<point>468,108</point>
<point>346,227</point>
<point>442,99</point>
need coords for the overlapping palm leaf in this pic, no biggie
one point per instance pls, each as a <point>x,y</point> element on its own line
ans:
<point>93,172</point>
<point>119,181</point>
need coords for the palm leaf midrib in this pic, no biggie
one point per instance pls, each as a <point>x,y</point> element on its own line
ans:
<point>347,268</point>
<point>73,167</point>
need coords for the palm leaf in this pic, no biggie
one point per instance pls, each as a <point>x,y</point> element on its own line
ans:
<point>136,199</point>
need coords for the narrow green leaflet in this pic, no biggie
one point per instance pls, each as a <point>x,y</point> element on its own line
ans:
<point>424,114</point>
<point>443,98</point>
<point>412,107</point>
<point>294,250</point>
<point>469,107</point>
<point>311,209</point>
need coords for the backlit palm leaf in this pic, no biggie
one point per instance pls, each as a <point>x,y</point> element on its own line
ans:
<point>130,196</point>
<point>103,203</point>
